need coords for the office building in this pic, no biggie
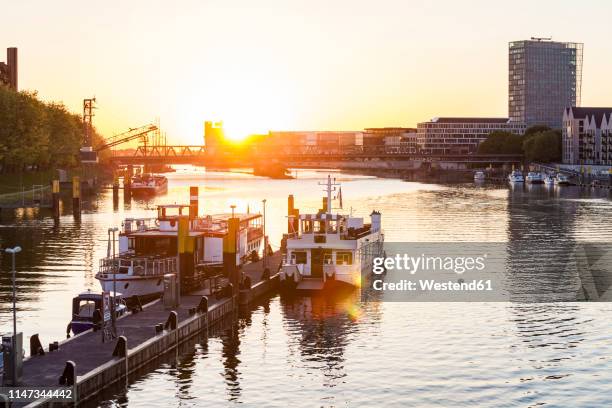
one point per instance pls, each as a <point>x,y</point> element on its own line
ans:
<point>544,77</point>
<point>460,135</point>
<point>587,136</point>
<point>389,140</point>
<point>9,70</point>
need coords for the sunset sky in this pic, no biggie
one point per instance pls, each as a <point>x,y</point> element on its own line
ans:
<point>268,64</point>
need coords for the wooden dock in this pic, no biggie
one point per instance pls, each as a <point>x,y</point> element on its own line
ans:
<point>96,368</point>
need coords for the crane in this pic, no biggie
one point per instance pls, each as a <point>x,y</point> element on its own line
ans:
<point>131,134</point>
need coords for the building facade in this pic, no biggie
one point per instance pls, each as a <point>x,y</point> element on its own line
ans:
<point>389,140</point>
<point>314,142</point>
<point>9,70</point>
<point>544,77</point>
<point>587,136</point>
<point>460,135</point>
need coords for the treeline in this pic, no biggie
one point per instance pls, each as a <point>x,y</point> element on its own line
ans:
<point>35,135</point>
<point>538,144</point>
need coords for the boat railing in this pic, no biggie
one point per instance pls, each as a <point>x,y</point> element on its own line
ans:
<point>138,224</point>
<point>139,266</point>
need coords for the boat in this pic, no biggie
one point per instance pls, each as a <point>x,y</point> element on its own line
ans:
<point>562,180</point>
<point>148,183</point>
<point>148,249</point>
<point>549,179</point>
<point>328,250</point>
<point>534,177</point>
<point>516,177</point>
<point>84,305</point>
<point>479,176</point>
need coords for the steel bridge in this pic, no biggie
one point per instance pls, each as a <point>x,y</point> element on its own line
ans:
<point>187,154</point>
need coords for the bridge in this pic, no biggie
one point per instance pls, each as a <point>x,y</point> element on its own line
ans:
<point>198,155</point>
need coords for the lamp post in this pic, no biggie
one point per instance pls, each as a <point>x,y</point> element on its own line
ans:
<point>265,239</point>
<point>14,251</point>
<point>113,317</point>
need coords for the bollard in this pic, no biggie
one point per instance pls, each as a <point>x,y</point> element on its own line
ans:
<point>69,374</point>
<point>55,189</point>
<point>36,348</point>
<point>115,194</point>
<point>76,197</point>
<point>121,347</point>
<point>172,320</point>
<point>192,311</point>
<point>159,328</point>
<point>203,305</point>
<point>53,346</point>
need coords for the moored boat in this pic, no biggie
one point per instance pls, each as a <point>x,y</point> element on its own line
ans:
<point>534,177</point>
<point>562,180</point>
<point>549,179</point>
<point>479,176</point>
<point>327,250</point>
<point>516,177</point>
<point>148,183</point>
<point>85,304</point>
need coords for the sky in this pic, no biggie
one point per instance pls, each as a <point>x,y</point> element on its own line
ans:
<point>290,65</point>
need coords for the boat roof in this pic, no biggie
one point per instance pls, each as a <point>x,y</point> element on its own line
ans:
<point>158,233</point>
<point>241,216</point>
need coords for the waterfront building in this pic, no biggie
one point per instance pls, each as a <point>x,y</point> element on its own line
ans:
<point>8,69</point>
<point>389,140</point>
<point>460,135</point>
<point>314,142</point>
<point>214,136</point>
<point>544,77</point>
<point>587,136</point>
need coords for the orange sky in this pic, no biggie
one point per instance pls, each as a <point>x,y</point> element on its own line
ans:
<point>340,65</point>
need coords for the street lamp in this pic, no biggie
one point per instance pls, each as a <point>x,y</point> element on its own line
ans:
<point>14,251</point>
<point>114,300</point>
<point>264,233</point>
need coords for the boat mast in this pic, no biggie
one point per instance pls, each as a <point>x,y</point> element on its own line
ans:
<point>329,188</point>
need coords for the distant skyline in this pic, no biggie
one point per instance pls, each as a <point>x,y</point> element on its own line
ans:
<point>284,65</point>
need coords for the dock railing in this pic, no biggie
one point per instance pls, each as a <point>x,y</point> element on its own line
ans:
<point>139,266</point>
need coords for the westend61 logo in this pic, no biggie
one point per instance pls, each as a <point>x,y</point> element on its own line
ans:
<point>413,264</point>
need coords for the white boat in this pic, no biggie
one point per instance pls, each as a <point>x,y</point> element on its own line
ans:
<point>148,250</point>
<point>326,250</point>
<point>479,176</point>
<point>516,177</point>
<point>562,180</point>
<point>549,179</point>
<point>534,177</point>
<point>148,183</point>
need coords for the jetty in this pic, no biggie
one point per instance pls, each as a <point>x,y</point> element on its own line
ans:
<point>90,365</point>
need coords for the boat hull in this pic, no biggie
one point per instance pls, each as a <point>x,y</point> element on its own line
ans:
<point>128,286</point>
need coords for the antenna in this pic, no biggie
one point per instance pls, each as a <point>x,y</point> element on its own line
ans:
<point>329,189</point>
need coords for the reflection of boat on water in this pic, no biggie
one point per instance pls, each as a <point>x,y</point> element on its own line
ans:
<point>327,250</point>
<point>549,179</point>
<point>148,183</point>
<point>148,249</point>
<point>84,306</point>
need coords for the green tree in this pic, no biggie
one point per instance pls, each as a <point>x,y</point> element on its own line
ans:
<point>543,146</point>
<point>500,142</point>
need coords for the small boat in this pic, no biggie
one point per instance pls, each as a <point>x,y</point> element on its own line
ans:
<point>326,250</point>
<point>148,183</point>
<point>549,179</point>
<point>534,177</point>
<point>84,305</point>
<point>562,180</point>
<point>479,176</point>
<point>516,177</point>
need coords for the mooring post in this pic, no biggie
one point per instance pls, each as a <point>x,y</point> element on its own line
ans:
<point>127,185</point>
<point>69,374</point>
<point>36,348</point>
<point>121,347</point>
<point>55,196</point>
<point>172,321</point>
<point>229,253</point>
<point>76,197</point>
<point>115,192</point>
<point>193,202</point>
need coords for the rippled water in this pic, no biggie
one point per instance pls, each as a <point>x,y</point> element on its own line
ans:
<point>310,351</point>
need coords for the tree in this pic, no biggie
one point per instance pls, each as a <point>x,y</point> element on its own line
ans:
<point>500,142</point>
<point>532,130</point>
<point>543,146</point>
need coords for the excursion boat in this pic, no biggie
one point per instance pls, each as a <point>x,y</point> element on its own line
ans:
<point>534,177</point>
<point>479,176</point>
<point>148,183</point>
<point>562,180</point>
<point>148,249</point>
<point>83,307</point>
<point>327,250</point>
<point>549,179</point>
<point>516,177</point>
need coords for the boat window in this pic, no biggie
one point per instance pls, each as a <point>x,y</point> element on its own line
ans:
<point>307,226</point>
<point>86,308</point>
<point>298,257</point>
<point>131,244</point>
<point>344,258</point>
<point>327,258</point>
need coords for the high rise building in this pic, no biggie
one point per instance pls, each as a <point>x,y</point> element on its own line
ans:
<point>544,78</point>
